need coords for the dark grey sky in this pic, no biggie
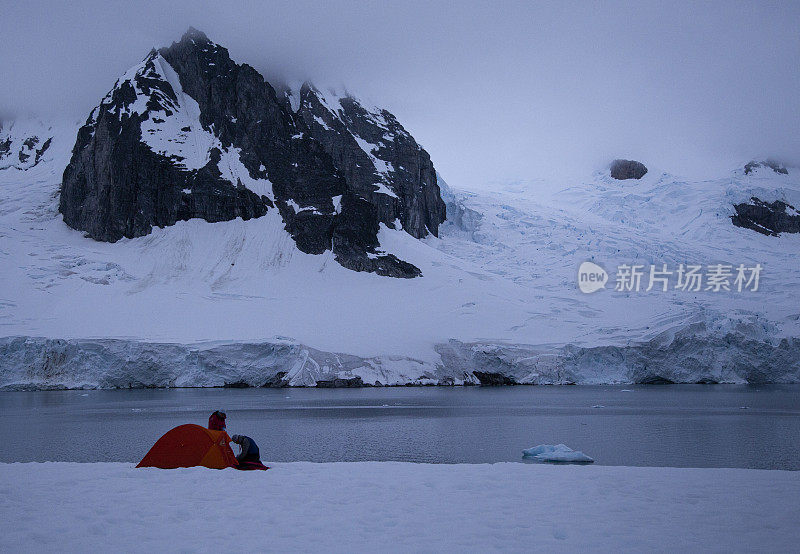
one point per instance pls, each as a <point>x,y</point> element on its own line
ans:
<point>494,90</point>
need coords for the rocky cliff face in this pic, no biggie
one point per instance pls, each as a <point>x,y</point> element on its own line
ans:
<point>768,218</point>
<point>380,160</point>
<point>189,133</point>
<point>775,166</point>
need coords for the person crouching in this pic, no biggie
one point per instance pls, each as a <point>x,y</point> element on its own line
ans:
<point>249,448</point>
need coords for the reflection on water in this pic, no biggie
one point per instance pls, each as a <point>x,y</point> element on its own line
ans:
<point>671,425</point>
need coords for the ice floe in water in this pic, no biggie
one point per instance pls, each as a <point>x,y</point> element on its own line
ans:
<point>556,453</point>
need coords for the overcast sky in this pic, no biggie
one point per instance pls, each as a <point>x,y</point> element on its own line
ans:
<point>494,91</point>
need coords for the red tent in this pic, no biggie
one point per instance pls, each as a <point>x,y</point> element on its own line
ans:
<point>191,445</point>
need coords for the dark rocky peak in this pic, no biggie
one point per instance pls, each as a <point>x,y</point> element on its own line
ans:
<point>190,133</point>
<point>380,160</point>
<point>768,218</point>
<point>210,77</point>
<point>139,91</point>
<point>775,166</point>
<point>195,35</point>
<point>627,169</point>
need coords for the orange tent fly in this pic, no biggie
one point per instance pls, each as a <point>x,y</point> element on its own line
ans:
<point>189,446</point>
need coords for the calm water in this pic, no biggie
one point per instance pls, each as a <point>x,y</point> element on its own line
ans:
<point>675,425</point>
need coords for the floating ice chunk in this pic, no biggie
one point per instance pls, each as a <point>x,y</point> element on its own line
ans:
<point>556,453</point>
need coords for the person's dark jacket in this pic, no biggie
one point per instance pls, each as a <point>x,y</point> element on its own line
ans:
<point>249,449</point>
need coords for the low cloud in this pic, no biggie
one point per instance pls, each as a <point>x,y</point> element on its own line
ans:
<point>495,92</point>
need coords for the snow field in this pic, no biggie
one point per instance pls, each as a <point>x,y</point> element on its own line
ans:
<point>392,506</point>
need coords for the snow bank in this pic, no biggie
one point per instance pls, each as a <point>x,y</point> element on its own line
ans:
<point>556,453</point>
<point>378,507</point>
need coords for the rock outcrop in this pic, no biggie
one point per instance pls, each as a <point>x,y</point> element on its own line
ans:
<point>351,383</point>
<point>777,167</point>
<point>21,148</point>
<point>493,379</point>
<point>189,133</point>
<point>627,169</point>
<point>380,160</point>
<point>768,218</point>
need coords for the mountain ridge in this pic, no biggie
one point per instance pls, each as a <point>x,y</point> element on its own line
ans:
<point>189,133</point>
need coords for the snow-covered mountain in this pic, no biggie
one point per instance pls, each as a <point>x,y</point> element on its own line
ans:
<point>189,133</point>
<point>201,268</point>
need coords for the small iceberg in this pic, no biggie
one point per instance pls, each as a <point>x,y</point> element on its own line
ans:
<point>556,453</point>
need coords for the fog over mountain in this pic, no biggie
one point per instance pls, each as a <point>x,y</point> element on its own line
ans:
<point>495,92</point>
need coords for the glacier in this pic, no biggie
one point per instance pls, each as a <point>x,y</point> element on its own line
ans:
<point>694,354</point>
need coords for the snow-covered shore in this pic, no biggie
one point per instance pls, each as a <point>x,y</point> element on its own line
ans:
<point>392,506</point>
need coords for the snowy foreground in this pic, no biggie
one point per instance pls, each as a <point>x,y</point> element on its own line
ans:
<point>395,506</point>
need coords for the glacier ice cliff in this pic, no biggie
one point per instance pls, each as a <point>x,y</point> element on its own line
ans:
<point>693,354</point>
